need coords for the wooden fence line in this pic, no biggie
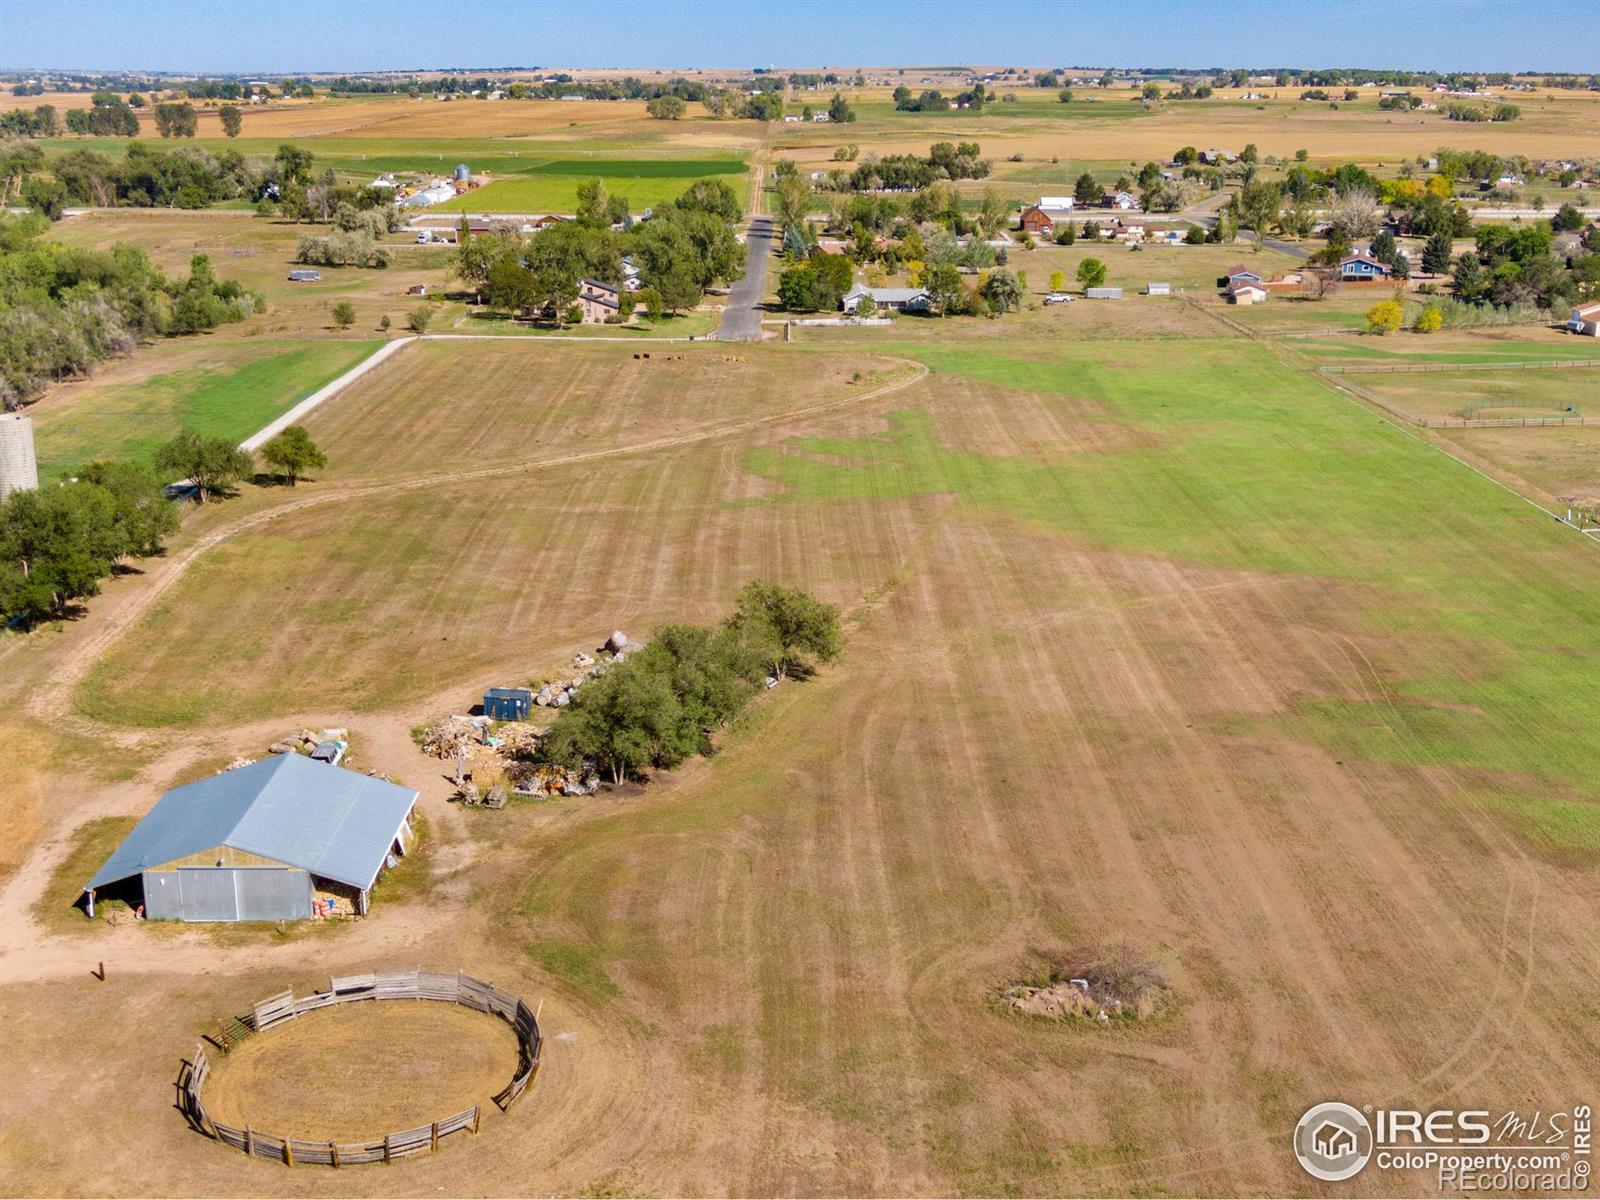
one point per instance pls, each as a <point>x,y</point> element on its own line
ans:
<point>398,985</point>
<point>1554,364</point>
<point>1421,422</point>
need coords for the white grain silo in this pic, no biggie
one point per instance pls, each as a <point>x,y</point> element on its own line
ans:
<point>19,468</point>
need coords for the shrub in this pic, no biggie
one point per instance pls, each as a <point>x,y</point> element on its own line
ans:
<point>1430,320</point>
<point>1384,317</point>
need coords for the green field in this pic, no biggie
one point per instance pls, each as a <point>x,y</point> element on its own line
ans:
<point>536,192</point>
<point>232,391</point>
<point>639,168</point>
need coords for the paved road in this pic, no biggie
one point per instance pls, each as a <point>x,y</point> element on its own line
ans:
<point>1292,249</point>
<point>741,320</point>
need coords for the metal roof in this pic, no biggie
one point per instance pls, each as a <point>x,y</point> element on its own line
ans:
<point>332,822</point>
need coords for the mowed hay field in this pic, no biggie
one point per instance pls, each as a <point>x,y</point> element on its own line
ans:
<point>1165,644</point>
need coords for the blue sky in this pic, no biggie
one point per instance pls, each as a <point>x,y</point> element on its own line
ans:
<point>343,35</point>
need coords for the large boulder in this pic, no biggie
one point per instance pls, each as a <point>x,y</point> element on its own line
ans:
<point>617,641</point>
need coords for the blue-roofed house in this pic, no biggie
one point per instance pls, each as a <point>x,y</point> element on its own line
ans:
<point>263,842</point>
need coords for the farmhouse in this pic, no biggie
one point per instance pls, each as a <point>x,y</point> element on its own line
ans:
<point>904,299</point>
<point>598,301</point>
<point>1126,201</point>
<point>1239,273</point>
<point>1362,268</point>
<point>1585,319</point>
<point>259,842</point>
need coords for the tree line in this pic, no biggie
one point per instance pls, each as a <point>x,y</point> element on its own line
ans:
<point>62,310</point>
<point>58,544</point>
<point>684,248</point>
<point>668,702</point>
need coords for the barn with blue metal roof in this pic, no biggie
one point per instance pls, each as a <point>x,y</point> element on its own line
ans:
<point>259,842</point>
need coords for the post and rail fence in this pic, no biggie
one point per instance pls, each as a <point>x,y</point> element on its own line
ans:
<point>406,985</point>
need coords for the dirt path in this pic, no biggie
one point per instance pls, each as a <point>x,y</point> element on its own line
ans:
<point>54,704</point>
<point>29,951</point>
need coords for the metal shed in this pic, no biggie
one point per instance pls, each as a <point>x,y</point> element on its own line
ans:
<point>1104,293</point>
<point>253,844</point>
<point>507,704</point>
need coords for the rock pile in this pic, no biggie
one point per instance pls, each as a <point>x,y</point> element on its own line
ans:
<point>305,741</point>
<point>559,694</point>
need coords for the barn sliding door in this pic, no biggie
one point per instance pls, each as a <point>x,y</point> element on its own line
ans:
<point>207,894</point>
<point>267,894</point>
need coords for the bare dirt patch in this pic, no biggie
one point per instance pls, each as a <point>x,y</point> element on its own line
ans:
<point>363,1070</point>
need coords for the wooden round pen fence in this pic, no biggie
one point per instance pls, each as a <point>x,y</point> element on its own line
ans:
<point>410,985</point>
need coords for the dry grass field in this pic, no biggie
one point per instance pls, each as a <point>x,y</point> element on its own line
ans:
<point>361,1071</point>
<point>1179,649</point>
<point>1153,637</point>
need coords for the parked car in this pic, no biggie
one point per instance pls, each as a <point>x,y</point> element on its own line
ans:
<point>1059,298</point>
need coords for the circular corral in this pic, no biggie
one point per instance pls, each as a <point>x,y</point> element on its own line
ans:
<point>349,1072</point>
<point>364,1052</point>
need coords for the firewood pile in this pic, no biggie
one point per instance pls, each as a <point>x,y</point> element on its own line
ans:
<point>494,761</point>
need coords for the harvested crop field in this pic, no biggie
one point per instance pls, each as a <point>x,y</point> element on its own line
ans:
<point>362,1070</point>
<point>1149,641</point>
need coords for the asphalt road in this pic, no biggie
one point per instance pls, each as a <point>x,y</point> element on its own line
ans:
<point>741,319</point>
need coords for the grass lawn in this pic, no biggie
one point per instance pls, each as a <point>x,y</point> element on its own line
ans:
<point>92,843</point>
<point>221,390</point>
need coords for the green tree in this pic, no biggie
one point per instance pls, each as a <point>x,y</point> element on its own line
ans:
<point>510,285</point>
<point>140,515</point>
<point>1567,219</point>
<point>1002,291</point>
<point>1258,203</point>
<point>344,314</point>
<point>420,318</point>
<point>787,627</point>
<point>839,110</point>
<point>1468,281</point>
<point>1086,191</point>
<point>212,464</point>
<point>943,285</point>
<point>384,322</point>
<point>293,163</point>
<point>1064,96</point>
<point>666,108</point>
<point>1091,273</point>
<point>793,202</point>
<point>1436,252</point>
<point>292,453</point>
<point>232,119</point>
<point>176,120</point>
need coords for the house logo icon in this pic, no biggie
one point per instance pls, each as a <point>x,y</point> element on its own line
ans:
<point>1333,1141</point>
